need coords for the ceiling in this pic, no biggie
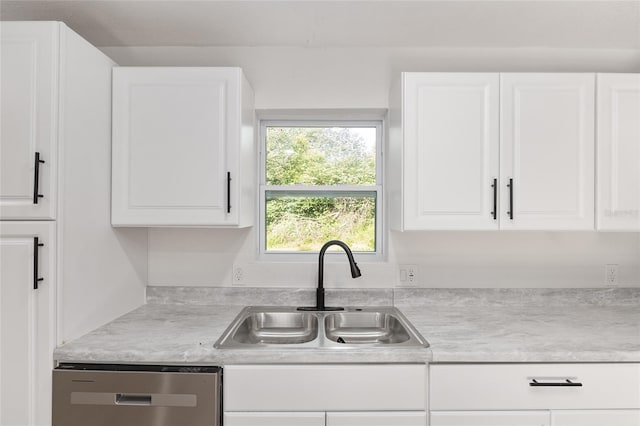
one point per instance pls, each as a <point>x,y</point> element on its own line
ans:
<point>609,24</point>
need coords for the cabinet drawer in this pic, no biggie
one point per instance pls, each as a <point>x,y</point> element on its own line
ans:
<point>343,387</point>
<point>274,419</point>
<point>403,418</point>
<point>596,418</point>
<point>490,418</point>
<point>509,386</point>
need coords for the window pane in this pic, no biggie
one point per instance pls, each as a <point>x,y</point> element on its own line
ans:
<point>305,223</point>
<point>321,155</point>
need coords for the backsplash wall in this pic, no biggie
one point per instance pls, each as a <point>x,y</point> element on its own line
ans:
<point>316,78</point>
<point>207,257</point>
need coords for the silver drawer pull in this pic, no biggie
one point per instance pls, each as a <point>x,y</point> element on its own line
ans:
<point>128,399</point>
<point>563,383</point>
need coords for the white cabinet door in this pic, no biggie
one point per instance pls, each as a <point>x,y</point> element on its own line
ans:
<point>177,138</point>
<point>596,418</point>
<point>28,112</point>
<point>26,322</point>
<point>618,134</point>
<point>274,419</point>
<point>490,418</point>
<point>374,418</point>
<point>451,144</point>
<point>608,385</point>
<point>547,151</point>
<point>325,387</point>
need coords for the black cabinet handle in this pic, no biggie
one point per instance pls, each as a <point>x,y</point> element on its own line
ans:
<point>36,179</point>
<point>510,186</point>
<point>228,192</point>
<point>36,279</point>
<point>566,383</point>
<point>494,185</point>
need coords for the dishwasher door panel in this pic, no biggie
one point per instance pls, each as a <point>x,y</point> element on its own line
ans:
<point>135,398</point>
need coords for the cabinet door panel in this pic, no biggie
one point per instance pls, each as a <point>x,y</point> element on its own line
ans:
<point>26,324</point>
<point>171,127</point>
<point>547,148</point>
<point>618,152</point>
<point>451,150</point>
<point>596,418</point>
<point>274,419</point>
<point>325,387</point>
<point>612,385</point>
<point>28,107</point>
<point>388,418</point>
<point>490,418</point>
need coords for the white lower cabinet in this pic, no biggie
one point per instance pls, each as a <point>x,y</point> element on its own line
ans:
<point>361,418</point>
<point>490,418</point>
<point>274,419</point>
<point>27,322</point>
<point>537,418</point>
<point>327,395</point>
<point>535,394</point>
<point>595,418</point>
<point>372,418</point>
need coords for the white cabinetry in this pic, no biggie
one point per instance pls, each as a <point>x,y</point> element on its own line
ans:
<point>401,418</point>
<point>558,394</point>
<point>56,100</point>
<point>407,418</point>
<point>274,419</point>
<point>547,151</point>
<point>347,394</point>
<point>450,153</point>
<point>27,321</point>
<point>183,147</point>
<point>490,418</point>
<point>492,151</point>
<point>618,141</point>
<point>595,417</point>
<point>28,113</point>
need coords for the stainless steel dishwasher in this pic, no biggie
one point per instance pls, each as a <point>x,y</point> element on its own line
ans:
<point>136,395</point>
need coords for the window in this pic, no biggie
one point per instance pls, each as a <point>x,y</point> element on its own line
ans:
<point>320,181</point>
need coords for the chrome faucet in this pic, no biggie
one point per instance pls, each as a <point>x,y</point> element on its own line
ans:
<point>355,273</point>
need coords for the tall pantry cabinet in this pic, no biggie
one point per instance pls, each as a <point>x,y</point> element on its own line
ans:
<point>64,270</point>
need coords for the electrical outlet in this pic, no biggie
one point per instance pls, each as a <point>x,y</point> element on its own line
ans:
<point>238,275</point>
<point>611,275</point>
<point>408,275</point>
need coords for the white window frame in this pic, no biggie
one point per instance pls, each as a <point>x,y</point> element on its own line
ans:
<point>292,256</point>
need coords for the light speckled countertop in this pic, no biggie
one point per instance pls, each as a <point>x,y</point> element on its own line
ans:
<point>178,326</point>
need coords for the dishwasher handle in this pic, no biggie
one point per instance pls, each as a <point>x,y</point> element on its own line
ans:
<point>133,399</point>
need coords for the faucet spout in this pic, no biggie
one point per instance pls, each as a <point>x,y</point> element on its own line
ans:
<point>355,273</point>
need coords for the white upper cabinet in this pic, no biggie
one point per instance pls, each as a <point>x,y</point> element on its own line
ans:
<point>183,147</point>
<point>478,151</point>
<point>618,141</point>
<point>547,151</point>
<point>28,113</point>
<point>450,153</point>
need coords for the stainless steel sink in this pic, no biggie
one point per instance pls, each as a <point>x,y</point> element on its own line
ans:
<point>365,327</point>
<point>280,328</point>
<point>264,327</point>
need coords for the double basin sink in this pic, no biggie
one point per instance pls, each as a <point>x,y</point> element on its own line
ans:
<point>263,327</point>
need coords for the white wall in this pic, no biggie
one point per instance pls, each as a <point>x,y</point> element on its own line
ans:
<point>312,78</point>
<point>295,77</point>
